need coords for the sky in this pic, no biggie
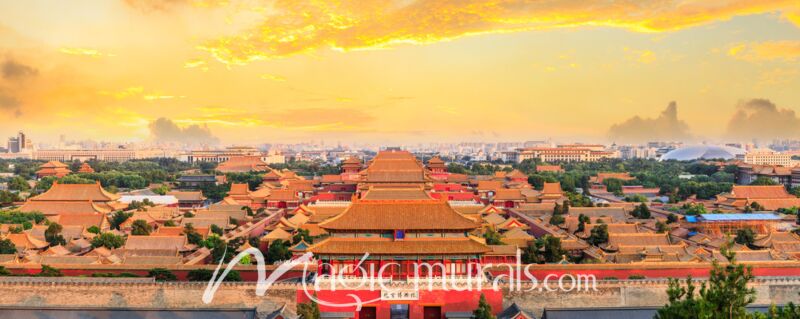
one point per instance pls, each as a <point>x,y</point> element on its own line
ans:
<point>404,71</point>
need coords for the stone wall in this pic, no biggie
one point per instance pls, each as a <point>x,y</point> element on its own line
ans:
<point>137,293</point>
<point>143,293</point>
<point>639,293</point>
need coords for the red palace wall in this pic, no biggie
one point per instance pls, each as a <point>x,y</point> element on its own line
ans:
<point>461,301</point>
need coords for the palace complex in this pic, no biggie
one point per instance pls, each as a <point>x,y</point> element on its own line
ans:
<point>394,216</point>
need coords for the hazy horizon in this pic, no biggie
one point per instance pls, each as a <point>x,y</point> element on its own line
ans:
<point>400,72</point>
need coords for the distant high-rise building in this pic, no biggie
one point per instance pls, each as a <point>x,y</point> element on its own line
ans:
<point>19,143</point>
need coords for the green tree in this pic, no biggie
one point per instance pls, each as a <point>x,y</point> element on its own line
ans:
<point>216,229</point>
<point>582,220</point>
<point>309,310</point>
<point>552,249</point>
<point>108,240</point>
<point>302,234</point>
<point>661,227</point>
<point>599,234</point>
<point>53,235</point>
<point>757,207</point>
<point>278,251</point>
<point>724,295</point>
<point>672,218</point>
<point>192,236</point>
<point>118,218</point>
<point>18,183</point>
<point>694,209</point>
<point>206,274</point>
<point>763,180</point>
<point>7,247</point>
<point>93,229</point>
<point>613,185</point>
<point>141,228</point>
<point>556,220</point>
<point>484,310</point>
<point>48,271</point>
<point>745,236</point>
<point>492,237</point>
<point>641,212</point>
<point>170,223</point>
<point>162,274</point>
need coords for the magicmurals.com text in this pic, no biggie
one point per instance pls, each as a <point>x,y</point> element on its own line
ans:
<point>515,277</point>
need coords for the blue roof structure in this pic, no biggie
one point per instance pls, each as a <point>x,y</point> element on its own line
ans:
<point>691,219</point>
<point>738,217</point>
<point>696,152</point>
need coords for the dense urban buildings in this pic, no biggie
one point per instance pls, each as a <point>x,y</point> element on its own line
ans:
<point>413,213</point>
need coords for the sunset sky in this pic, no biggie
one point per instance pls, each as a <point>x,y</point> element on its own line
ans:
<point>400,71</point>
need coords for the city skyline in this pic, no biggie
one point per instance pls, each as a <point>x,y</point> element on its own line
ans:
<point>251,72</point>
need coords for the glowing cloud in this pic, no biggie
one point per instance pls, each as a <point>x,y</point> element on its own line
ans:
<point>667,126</point>
<point>761,118</point>
<point>273,77</point>
<point>84,52</point>
<point>138,91</point>
<point>761,51</point>
<point>641,56</point>
<point>297,26</point>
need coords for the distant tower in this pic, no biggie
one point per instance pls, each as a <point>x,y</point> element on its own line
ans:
<point>352,165</point>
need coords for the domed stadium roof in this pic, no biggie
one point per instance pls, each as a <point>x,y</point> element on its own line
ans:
<point>695,152</point>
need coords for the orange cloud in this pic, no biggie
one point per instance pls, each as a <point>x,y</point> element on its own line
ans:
<point>761,51</point>
<point>296,26</point>
<point>84,52</point>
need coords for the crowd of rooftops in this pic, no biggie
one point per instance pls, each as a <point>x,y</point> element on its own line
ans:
<point>609,217</point>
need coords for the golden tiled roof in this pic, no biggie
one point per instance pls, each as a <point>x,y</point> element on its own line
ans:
<point>399,214</point>
<point>386,246</point>
<point>76,192</point>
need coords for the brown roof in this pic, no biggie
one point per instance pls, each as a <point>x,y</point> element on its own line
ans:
<point>395,166</point>
<point>282,195</point>
<point>399,214</point>
<point>221,221</point>
<point>517,233</point>
<point>301,185</point>
<point>239,189</point>
<point>155,242</point>
<point>503,250</point>
<point>330,178</point>
<point>516,174</point>
<point>187,195</point>
<point>69,260</point>
<point>65,207</point>
<point>76,192</point>
<point>494,219</point>
<point>243,164</point>
<point>508,194</point>
<point>395,193</point>
<point>457,178</point>
<point>85,220</point>
<point>313,229</point>
<point>552,189</point>
<point>621,176</point>
<point>759,192</point>
<point>386,246</point>
<point>85,168</point>
<point>322,213</point>
<point>152,260</point>
<point>278,233</point>
<point>637,239</point>
<point>26,241</point>
<point>549,168</point>
<point>352,160</point>
<point>53,164</point>
<point>489,185</point>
